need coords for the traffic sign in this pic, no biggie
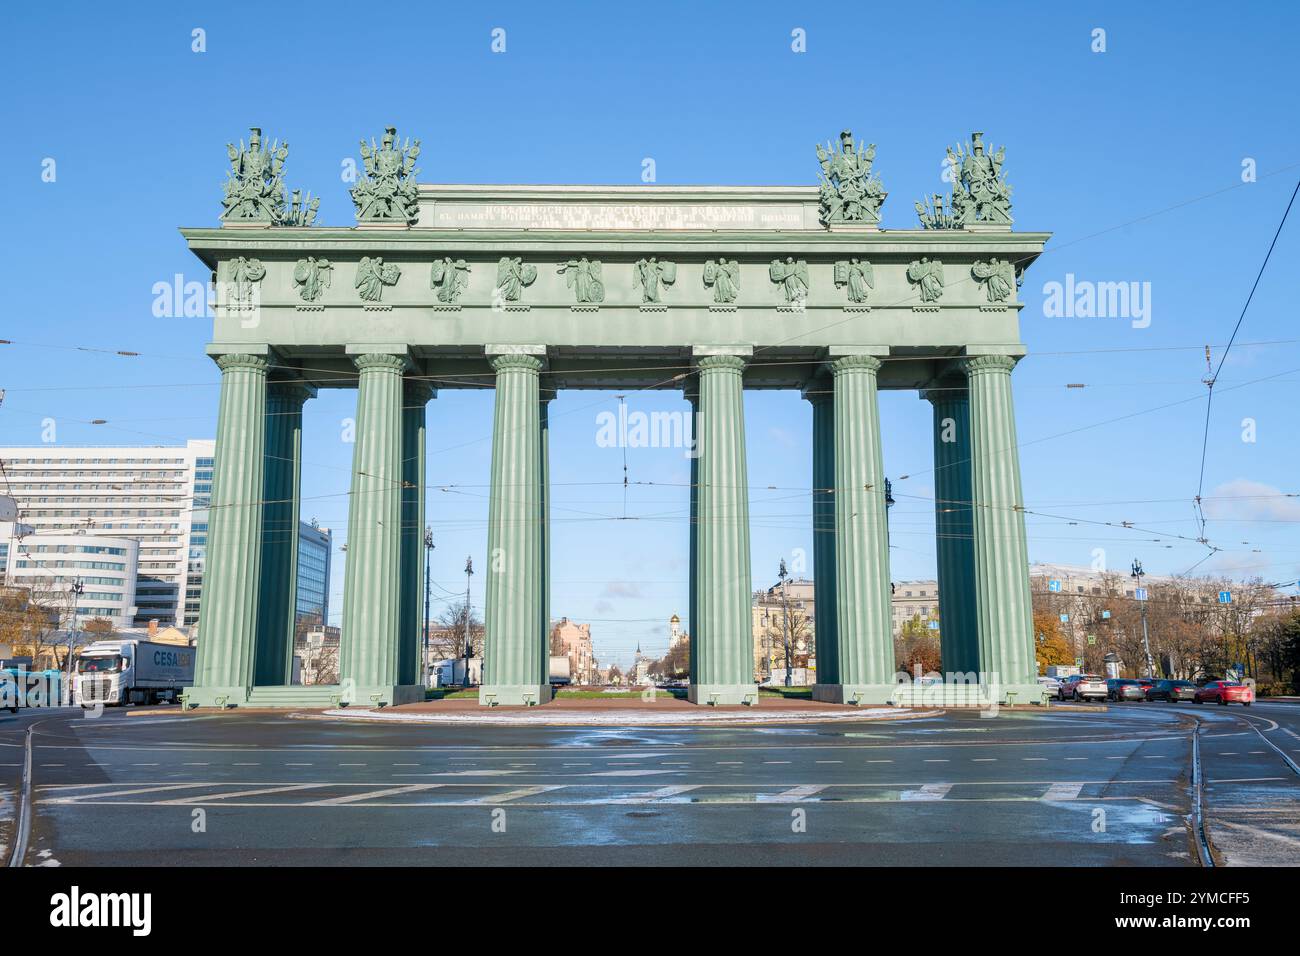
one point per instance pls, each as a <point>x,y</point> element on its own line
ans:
<point>1140,594</point>
<point>1065,619</point>
<point>1105,615</point>
<point>1225,597</point>
<point>932,625</point>
<point>1054,585</point>
<point>1092,638</point>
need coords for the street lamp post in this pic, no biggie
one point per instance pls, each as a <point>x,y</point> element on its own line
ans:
<point>77,588</point>
<point>469,645</point>
<point>1146,644</point>
<point>424,652</point>
<point>785,621</point>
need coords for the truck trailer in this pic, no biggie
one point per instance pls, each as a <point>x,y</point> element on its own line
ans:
<point>132,672</point>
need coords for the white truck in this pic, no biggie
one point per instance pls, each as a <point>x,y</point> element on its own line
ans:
<point>132,672</point>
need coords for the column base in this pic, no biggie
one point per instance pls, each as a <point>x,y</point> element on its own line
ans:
<point>514,695</point>
<point>215,696</point>
<point>722,695</point>
<point>873,695</point>
<point>381,695</point>
<point>968,695</point>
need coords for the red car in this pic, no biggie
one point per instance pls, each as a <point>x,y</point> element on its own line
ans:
<point>1226,692</point>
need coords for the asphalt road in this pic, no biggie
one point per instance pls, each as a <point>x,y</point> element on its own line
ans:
<point>155,787</point>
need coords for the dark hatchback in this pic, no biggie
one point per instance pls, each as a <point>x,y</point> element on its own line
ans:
<point>1172,690</point>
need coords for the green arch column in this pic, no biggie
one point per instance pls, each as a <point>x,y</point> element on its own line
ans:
<point>1004,614</point>
<point>415,397</point>
<point>232,575</point>
<point>514,662</point>
<point>954,532</point>
<point>277,610</point>
<point>692,395</point>
<point>722,650</point>
<point>863,619</point>
<point>544,526</point>
<point>372,579</point>
<point>821,395</point>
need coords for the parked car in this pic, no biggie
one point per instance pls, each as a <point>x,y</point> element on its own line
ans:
<point>1172,690</point>
<point>1050,684</point>
<point>1226,692</point>
<point>1124,688</point>
<point>1083,687</point>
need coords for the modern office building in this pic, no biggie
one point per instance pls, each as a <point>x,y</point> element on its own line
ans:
<point>312,596</point>
<point>49,564</point>
<point>156,496</point>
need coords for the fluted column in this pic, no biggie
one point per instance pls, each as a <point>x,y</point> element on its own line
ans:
<point>544,527</point>
<point>863,621</point>
<point>723,648</point>
<point>372,579</point>
<point>514,665</point>
<point>415,396</point>
<point>280,505</point>
<point>1004,614</point>
<point>954,532</point>
<point>692,395</point>
<point>821,395</point>
<point>231,576</point>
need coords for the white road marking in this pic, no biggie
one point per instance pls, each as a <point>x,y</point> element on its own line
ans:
<point>1063,791</point>
<point>652,796</point>
<point>630,772</point>
<point>936,760</point>
<point>513,795</point>
<point>793,795</point>
<point>371,794</point>
<point>351,765</point>
<point>841,761</point>
<point>1034,759</point>
<point>984,759</point>
<point>124,793</point>
<point>931,791</point>
<point>260,791</point>
<point>768,762</point>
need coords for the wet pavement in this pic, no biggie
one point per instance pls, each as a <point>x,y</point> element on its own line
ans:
<point>157,787</point>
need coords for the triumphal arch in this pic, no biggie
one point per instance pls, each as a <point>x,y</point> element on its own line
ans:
<point>706,290</point>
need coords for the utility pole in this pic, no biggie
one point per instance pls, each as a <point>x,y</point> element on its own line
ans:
<point>424,644</point>
<point>785,621</point>
<point>1146,644</point>
<point>469,644</point>
<point>76,588</point>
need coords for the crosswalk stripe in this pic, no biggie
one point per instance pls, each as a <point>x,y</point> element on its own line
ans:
<point>371,795</point>
<point>98,794</point>
<point>1063,791</point>
<point>793,795</point>
<point>513,795</point>
<point>931,791</point>
<point>208,797</point>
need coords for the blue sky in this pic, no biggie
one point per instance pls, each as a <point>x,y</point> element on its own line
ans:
<point>1132,157</point>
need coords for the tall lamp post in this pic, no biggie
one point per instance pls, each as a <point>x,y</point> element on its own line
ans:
<point>424,652</point>
<point>469,644</point>
<point>1146,644</point>
<point>76,589</point>
<point>785,621</point>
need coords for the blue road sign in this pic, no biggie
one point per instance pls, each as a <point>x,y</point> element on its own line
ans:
<point>1054,585</point>
<point>1105,615</point>
<point>1140,594</point>
<point>932,625</point>
<point>1065,619</point>
<point>1225,597</point>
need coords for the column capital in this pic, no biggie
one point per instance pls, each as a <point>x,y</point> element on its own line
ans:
<point>515,360</point>
<point>242,360</point>
<point>709,363</point>
<point>818,391</point>
<point>418,391</point>
<point>379,360</point>
<point>945,390</point>
<point>853,363</point>
<point>973,364</point>
<point>290,390</point>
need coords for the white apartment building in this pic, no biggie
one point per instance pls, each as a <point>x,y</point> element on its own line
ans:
<point>156,496</point>
<point>50,564</point>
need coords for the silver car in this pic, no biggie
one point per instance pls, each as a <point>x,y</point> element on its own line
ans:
<point>1083,687</point>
